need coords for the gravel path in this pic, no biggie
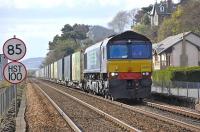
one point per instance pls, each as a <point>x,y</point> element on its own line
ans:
<point>41,115</point>
<point>132,118</point>
<point>86,119</point>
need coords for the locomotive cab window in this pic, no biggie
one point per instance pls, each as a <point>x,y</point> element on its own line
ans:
<point>132,50</point>
<point>118,51</point>
<point>141,50</point>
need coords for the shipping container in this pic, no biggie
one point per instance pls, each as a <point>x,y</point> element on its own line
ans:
<point>52,71</point>
<point>48,72</point>
<point>67,68</point>
<point>60,69</point>
<point>45,72</point>
<point>37,73</point>
<point>55,74</point>
<point>41,74</point>
<point>76,67</point>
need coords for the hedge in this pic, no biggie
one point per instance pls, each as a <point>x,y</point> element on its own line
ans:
<point>186,74</point>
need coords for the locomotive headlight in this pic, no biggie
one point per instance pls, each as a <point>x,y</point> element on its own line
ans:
<point>114,74</point>
<point>145,73</point>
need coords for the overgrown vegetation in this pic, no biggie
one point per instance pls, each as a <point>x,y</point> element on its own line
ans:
<point>185,18</point>
<point>186,74</point>
<point>72,39</point>
<point>4,84</point>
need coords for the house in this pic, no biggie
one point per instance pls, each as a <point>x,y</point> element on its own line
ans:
<point>179,50</point>
<point>3,62</point>
<point>160,11</point>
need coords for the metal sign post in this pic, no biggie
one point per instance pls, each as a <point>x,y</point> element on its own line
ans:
<point>14,72</point>
<point>15,88</point>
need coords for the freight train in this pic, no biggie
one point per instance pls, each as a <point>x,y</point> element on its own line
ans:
<point>119,67</point>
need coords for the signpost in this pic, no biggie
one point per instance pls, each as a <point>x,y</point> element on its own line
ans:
<point>14,72</point>
<point>14,49</point>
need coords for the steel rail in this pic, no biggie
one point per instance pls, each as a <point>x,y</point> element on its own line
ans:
<point>67,119</point>
<point>149,114</point>
<point>174,110</point>
<point>111,118</point>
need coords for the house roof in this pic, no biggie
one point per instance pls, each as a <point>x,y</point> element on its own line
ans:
<point>167,10</point>
<point>168,42</point>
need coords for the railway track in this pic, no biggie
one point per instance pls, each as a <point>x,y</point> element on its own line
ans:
<point>80,115</point>
<point>173,109</point>
<point>157,119</point>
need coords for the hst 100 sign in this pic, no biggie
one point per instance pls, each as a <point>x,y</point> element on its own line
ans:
<point>15,72</point>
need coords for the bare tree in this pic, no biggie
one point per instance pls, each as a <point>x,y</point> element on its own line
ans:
<point>131,14</point>
<point>119,22</point>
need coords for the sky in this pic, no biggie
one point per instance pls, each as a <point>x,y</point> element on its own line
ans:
<point>36,22</point>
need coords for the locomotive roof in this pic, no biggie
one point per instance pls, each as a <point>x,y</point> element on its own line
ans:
<point>122,36</point>
<point>129,35</point>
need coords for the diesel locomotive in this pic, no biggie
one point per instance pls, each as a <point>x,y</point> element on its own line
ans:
<point>119,67</point>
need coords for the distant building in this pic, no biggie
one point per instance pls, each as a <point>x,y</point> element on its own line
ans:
<point>3,62</point>
<point>179,50</point>
<point>161,10</point>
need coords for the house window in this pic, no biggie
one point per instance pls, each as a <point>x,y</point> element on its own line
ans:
<point>156,57</point>
<point>162,9</point>
<point>168,57</point>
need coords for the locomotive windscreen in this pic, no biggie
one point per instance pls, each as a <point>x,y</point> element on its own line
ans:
<point>141,50</point>
<point>130,50</point>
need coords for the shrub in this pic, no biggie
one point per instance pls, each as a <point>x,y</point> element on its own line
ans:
<point>186,74</point>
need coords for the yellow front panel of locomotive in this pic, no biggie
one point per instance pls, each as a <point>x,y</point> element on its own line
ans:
<point>129,65</point>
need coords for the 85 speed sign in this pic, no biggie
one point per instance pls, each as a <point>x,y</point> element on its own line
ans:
<point>14,72</point>
<point>14,49</point>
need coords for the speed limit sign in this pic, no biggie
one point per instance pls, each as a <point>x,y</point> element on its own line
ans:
<point>14,72</point>
<point>14,49</point>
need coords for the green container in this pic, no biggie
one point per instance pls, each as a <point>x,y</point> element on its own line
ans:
<point>76,67</point>
<point>52,71</point>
